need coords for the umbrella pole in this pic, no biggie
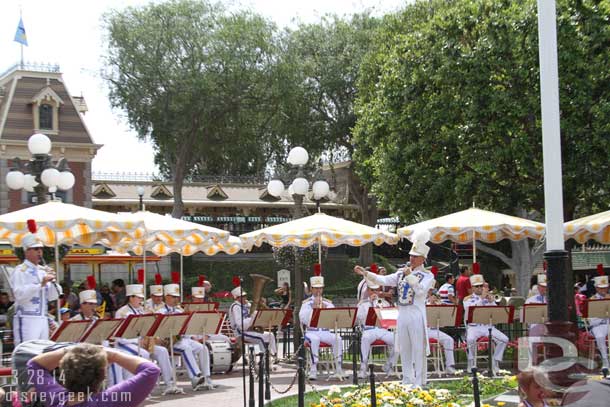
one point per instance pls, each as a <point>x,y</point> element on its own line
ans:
<point>474,246</point>
<point>320,250</point>
<point>144,267</point>
<point>181,277</point>
<point>56,279</point>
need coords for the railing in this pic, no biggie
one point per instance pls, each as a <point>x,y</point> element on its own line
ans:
<point>32,66</point>
<point>151,177</point>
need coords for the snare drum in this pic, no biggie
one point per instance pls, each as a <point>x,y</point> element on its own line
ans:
<point>220,356</point>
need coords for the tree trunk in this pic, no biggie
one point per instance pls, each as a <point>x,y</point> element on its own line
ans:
<point>178,209</point>
<point>298,278</point>
<point>368,217</point>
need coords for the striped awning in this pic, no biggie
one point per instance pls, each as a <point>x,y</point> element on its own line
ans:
<point>477,224</point>
<point>593,227</point>
<point>318,228</point>
<point>61,223</point>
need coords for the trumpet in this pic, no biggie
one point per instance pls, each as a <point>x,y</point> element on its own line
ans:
<point>378,303</point>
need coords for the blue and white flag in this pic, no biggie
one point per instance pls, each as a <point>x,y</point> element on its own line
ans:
<point>20,36</point>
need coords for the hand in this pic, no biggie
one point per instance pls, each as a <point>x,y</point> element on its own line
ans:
<point>359,270</point>
<point>48,278</point>
<point>110,355</point>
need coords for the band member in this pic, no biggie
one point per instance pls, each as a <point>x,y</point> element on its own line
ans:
<point>198,296</point>
<point>599,326</point>
<point>135,297</point>
<point>476,331</point>
<point>187,347</point>
<point>372,333</point>
<point>33,287</point>
<point>316,335</point>
<point>413,283</point>
<point>447,291</point>
<point>156,298</point>
<point>446,341</point>
<point>540,298</point>
<point>241,321</point>
<point>88,304</point>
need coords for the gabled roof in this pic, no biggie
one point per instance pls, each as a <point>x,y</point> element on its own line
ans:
<point>266,196</point>
<point>161,192</point>
<point>103,191</point>
<point>216,193</point>
<point>46,94</point>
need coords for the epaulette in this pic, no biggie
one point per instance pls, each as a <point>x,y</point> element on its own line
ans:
<point>467,297</point>
<point>305,300</point>
<point>22,267</point>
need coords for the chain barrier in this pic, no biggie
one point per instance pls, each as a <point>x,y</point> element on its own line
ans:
<point>294,378</point>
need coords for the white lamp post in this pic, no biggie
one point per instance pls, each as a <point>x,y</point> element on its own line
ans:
<point>39,174</point>
<point>140,192</point>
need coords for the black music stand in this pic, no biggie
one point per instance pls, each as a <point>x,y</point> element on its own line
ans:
<point>490,315</point>
<point>334,318</point>
<point>70,331</point>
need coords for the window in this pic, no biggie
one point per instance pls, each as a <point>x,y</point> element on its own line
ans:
<point>45,112</point>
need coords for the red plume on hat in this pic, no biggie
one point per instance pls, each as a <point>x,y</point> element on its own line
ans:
<point>91,282</point>
<point>236,281</point>
<point>158,279</point>
<point>434,271</point>
<point>544,265</point>
<point>317,269</point>
<point>476,268</point>
<point>141,276</point>
<point>374,268</point>
<point>201,281</point>
<point>32,226</point>
<point>175,277</point>
<point>600,270</point>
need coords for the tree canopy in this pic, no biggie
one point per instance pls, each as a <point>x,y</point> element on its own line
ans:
<point>449,108</point>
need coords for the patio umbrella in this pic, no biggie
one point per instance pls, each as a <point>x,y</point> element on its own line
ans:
<point>164,235</point>
<point>475,224</point>
<point>596,227</point>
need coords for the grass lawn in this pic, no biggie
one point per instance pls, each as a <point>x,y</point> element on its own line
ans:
<point>462,387</point>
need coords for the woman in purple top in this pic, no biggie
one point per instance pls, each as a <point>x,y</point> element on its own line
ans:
<point>82,372</point>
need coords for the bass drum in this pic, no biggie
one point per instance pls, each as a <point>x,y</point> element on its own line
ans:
<point>220,356</point>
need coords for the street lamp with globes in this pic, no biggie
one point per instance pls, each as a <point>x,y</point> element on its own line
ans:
<point>39,174</point>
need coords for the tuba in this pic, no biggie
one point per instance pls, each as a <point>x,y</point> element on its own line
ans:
<point>257,290</point>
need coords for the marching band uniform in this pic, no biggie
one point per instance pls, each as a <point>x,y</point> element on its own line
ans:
<point>187,347</point>
<point>411,290</point>
<point>476,331</point>
<point>150,305</point>
<point>198,294</point>
<point>599,326</point>
<point>31,299</point>
<point>446,341</point>
<point>537,299</point>
<point>316,335</point>
<point>372,333</point>
<point>131,346</point>
<point>241,321</point>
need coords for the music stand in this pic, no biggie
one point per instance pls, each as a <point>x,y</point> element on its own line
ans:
<point>101,330</point>
<point>490,315</point>
<point>200,306</point>
<point>334,318</point>
<point>600,309</point>
<point>203,323</point>
<point>70,331</point>
<point>168,326</point>
<point>534,314</point>
<point>386,317</point>
<point>135,326</point>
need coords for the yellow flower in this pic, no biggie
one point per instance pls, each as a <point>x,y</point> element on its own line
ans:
<point>501,403</point>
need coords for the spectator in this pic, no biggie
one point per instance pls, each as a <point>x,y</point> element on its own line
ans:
<point>107,300</point>
<point>447,291</point>
<point>83,368</point>
<point>531,392</point>
<point>5,303</point>
<point>462,286</point>
<point>70,298</point>
<point>284,292</point>
<point>118,290</point>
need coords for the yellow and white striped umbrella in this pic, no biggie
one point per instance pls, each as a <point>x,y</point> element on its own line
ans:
<point>595,227</point>
<point>61,223</point>
<point>317,229</point>
<point>477,224</point>
<point>164,235</point>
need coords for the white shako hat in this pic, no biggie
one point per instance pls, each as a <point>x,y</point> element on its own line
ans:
<point>171,289</point>
<point>317,281</point>
<point>134,289</point>
<point>156,290</point>
<point>89,296</point>
<point>198,292</point>
<point>601,281</point>
<point>541,280</point>
<point>238,290</point>
<point>476,279</point>
<point>419,238</point>
<point>31,240</point>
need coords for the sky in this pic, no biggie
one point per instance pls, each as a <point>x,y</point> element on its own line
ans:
<point>69,33</point>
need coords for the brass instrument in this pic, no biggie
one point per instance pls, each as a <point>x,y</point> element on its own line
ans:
<point>257,290</point>
<point>378,303</point>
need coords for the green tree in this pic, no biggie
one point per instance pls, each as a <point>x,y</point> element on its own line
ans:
<point>199,82</point>
<point>449,111</point>
<point>325,58</point>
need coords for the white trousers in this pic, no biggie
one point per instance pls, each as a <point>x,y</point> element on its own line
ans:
<point>160,354</point>
<point>475,332</point>
<point>412,345</point>
<point>446,342</point>
<point>262,339</point>
<point>315,337</point>
<point>600,332</point>
<point>374,334</point>
<point>192,351</point>
<point>28,328</point>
